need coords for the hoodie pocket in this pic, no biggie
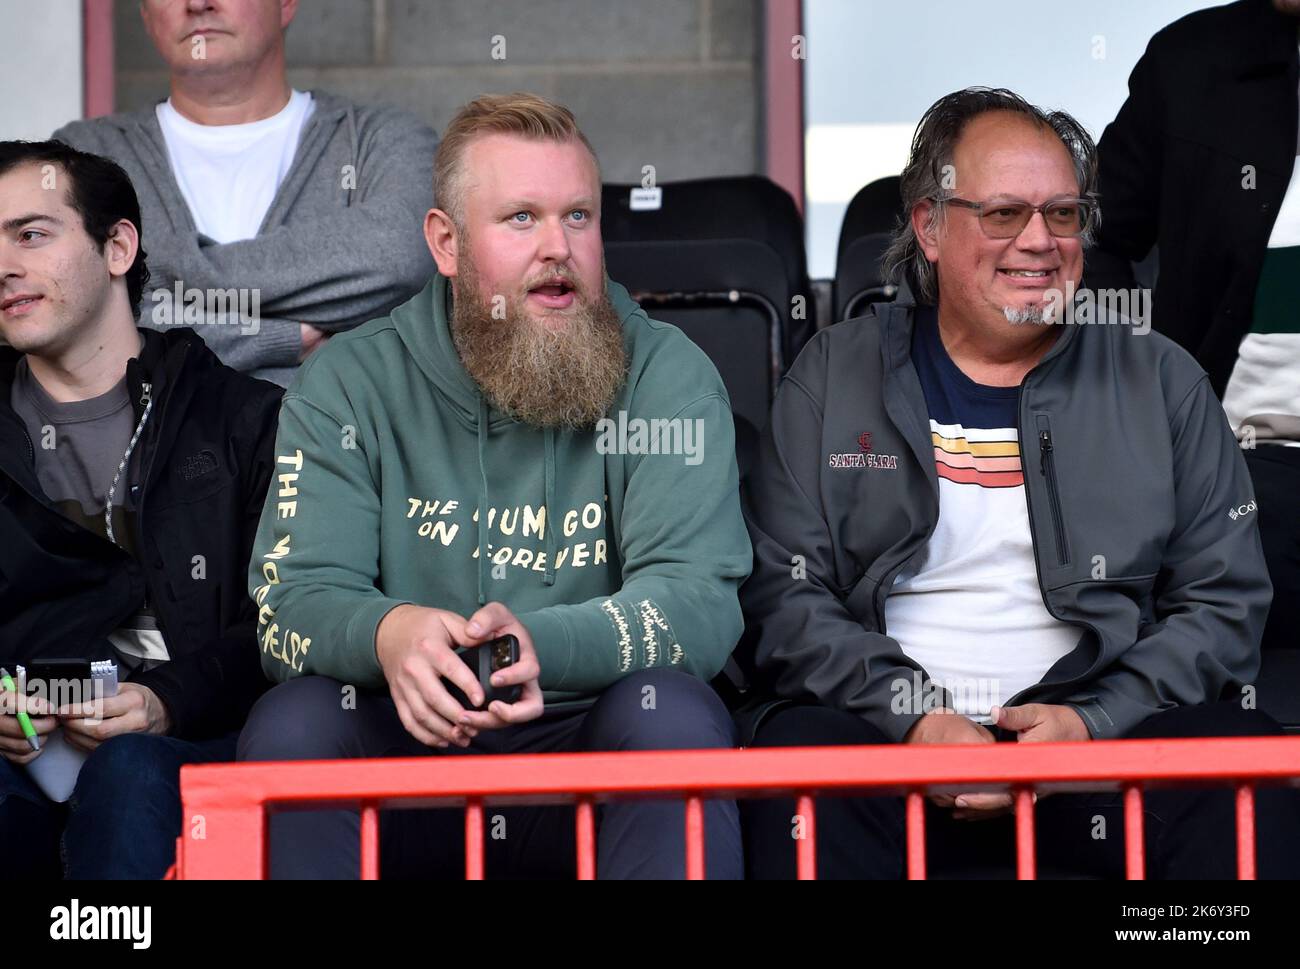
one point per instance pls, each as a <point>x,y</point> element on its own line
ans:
<point>1047,464</point>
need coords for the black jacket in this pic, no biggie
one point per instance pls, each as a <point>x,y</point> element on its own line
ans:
<point>207,454</point>
<point>1215,92</point>
<point>1126,454</point>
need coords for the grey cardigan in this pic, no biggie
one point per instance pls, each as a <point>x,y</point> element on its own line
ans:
<point>342,242</point>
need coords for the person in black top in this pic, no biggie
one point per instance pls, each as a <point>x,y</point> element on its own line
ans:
<point>133,467</point>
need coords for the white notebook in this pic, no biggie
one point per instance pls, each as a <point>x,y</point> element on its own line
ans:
<point>56,768</point>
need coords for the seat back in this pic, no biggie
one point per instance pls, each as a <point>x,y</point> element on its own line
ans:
<point>723,259</point>
<point>869,222</point>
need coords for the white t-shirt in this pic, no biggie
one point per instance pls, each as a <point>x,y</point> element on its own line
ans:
<point>968,608</point>
<point>229,174</point>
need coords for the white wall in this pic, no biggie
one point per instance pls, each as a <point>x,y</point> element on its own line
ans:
<point>874,66</point>
<point>42,70</point>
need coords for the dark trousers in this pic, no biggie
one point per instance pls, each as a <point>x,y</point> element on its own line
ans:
<point>123,817</point>
<point>1189,833</point>
<point>648,710</point>
<point>1275,472</point>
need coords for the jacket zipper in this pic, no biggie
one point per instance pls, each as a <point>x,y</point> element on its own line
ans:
<point>1048,468</point>
<point>150,599</point>
<point>1046,448</point>
<point>146,392</point>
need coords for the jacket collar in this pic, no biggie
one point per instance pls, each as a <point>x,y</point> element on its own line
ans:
<point>170,363</point>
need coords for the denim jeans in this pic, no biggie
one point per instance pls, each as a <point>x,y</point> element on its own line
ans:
<point>122,819</point>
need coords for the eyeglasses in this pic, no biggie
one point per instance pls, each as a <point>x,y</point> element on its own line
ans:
<point>1007,218</point>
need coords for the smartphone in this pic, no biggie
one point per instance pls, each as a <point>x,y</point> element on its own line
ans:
<point>59,681</point>
<point>484,660</point>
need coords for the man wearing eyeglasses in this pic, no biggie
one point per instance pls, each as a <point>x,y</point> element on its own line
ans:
<point>978,516</point>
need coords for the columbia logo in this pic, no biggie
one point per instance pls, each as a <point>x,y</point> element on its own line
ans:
<point>1235,513</point>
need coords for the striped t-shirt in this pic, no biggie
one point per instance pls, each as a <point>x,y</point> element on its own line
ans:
<point>968,609</point>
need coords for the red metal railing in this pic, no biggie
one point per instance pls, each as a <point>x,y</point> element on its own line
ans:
<point>226,803</point>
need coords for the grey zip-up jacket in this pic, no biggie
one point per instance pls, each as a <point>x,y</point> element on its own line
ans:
<point>1140,505</point>
<point>342,242</point>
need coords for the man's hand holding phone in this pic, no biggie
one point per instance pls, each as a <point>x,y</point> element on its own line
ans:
<point>491,622</point>
<point>416,647</point>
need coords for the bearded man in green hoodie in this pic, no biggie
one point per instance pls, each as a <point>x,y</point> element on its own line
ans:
<point>519,450</point>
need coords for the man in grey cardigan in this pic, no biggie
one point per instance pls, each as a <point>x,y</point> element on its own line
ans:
<point>275,217</point>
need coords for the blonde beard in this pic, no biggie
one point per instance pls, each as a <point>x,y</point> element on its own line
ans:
<point>546,377</point>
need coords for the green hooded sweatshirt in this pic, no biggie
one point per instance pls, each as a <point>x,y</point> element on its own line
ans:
<point>614,555</point>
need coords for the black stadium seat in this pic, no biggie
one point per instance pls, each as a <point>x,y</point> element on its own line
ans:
<point>1278,684</point>
<point>722,258</point>
<point>864,235</point>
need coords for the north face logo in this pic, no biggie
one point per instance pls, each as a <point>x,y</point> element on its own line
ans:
<point>197,465</point>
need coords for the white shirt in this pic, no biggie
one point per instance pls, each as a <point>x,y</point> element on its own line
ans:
<point>229,174</point>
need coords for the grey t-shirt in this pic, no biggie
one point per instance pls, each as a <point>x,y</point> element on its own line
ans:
<point>79,446</point>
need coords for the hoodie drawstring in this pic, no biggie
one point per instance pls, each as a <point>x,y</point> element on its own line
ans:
<point>549,523</point>
<point>550,503</point>
<point>482,501</point>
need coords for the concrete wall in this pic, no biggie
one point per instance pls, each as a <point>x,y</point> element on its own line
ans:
<point>44,48</point>
<point>670,83</point>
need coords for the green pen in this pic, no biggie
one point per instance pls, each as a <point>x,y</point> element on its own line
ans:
<point>24,721</point>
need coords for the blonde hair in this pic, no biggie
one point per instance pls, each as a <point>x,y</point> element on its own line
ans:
<point>526,115</point>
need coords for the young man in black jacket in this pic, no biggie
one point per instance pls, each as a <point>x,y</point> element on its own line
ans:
<point>133,467</point>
